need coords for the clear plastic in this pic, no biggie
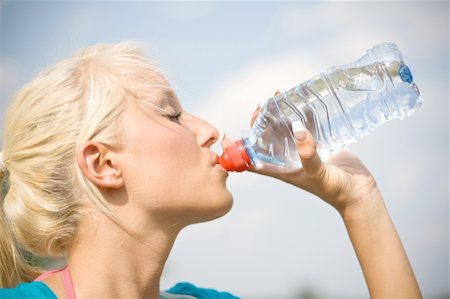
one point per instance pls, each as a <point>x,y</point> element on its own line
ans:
<point>339,106</point>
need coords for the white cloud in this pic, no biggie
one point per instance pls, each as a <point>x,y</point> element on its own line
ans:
<point>230,105</point>
<point>275,228</point>
<point>348,28</point>
<point>232,102</point>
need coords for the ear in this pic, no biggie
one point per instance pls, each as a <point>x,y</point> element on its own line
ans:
<point>96,162</point>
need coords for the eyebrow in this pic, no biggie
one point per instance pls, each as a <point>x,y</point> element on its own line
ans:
<point>166,97</point>
<point>171,96</point>
<point>172,100</point>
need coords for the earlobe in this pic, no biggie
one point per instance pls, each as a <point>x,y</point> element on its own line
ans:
<point>97,164</point>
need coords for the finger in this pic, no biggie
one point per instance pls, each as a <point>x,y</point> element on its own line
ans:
<point>225,141</point>
<point>306,146</point>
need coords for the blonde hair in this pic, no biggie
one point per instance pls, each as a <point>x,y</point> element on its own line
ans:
<point>43,189</point>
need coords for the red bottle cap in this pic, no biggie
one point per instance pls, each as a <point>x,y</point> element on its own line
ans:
<point>235,157</point>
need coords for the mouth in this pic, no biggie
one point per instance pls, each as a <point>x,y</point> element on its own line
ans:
<point>216,164</point>
<point>215,159</point>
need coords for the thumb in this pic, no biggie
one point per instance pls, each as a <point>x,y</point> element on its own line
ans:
<point>306,147</point>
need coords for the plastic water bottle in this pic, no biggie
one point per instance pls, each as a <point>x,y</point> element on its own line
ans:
<point>338,106</point>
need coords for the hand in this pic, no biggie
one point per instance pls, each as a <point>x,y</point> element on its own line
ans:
<point>345,183</point>
<point>342,181</point>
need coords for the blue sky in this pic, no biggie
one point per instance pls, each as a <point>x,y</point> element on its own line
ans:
<point>223,58</point>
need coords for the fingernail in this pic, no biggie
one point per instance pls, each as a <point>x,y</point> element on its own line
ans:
<point>257,107</point>
<point>299,130</point>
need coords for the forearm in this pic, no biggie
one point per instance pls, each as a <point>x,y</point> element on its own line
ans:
<point>380,252</point>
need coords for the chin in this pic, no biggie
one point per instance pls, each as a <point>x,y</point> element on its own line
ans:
<point>227,205</point>
<point>220,207</point>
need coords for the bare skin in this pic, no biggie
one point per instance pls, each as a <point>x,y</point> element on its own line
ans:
<point>155,191</point>
<point>346,184</point>
<point>98,268</point>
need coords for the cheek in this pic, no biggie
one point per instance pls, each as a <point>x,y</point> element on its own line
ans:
<point>164,144</point>
<point>176,153</point>
<point>166,160</point>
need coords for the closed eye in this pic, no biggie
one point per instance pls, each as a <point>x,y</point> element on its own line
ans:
<point>174,117</point>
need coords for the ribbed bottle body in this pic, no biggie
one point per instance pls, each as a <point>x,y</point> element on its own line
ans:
<point>339,106</point>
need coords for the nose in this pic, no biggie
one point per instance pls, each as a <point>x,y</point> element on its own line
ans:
<point>205,133</point>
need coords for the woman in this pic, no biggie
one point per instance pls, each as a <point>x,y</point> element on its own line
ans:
<point>100,164</point>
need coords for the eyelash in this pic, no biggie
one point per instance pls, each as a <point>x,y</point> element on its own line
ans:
<point>174,117</point>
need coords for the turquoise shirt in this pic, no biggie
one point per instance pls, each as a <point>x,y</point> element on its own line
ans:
<point>183,290</point>
<point>36,289</point>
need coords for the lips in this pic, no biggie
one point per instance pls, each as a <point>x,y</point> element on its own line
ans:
<point>215,160</point>
<point>215,163</point>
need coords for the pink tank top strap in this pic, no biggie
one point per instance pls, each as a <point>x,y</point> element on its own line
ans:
<point>47,274</point>
<point>68,285</point>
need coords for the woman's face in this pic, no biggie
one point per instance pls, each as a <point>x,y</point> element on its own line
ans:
<point>169,169</point>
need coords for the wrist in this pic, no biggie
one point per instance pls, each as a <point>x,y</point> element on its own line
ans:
<point>365,208</point>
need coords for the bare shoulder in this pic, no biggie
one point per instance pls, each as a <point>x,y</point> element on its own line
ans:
<point>56,284</point>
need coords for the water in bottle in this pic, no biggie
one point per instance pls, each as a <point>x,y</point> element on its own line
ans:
<point>338,106</point>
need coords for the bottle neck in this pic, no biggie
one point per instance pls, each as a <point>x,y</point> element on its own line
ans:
<point>235,157</point>
<point>404,94</point>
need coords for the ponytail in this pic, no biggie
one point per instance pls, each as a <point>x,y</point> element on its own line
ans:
<point>13,267</point>
<point>44,193</point>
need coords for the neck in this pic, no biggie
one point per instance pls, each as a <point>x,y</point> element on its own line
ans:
<point>106,261</point>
